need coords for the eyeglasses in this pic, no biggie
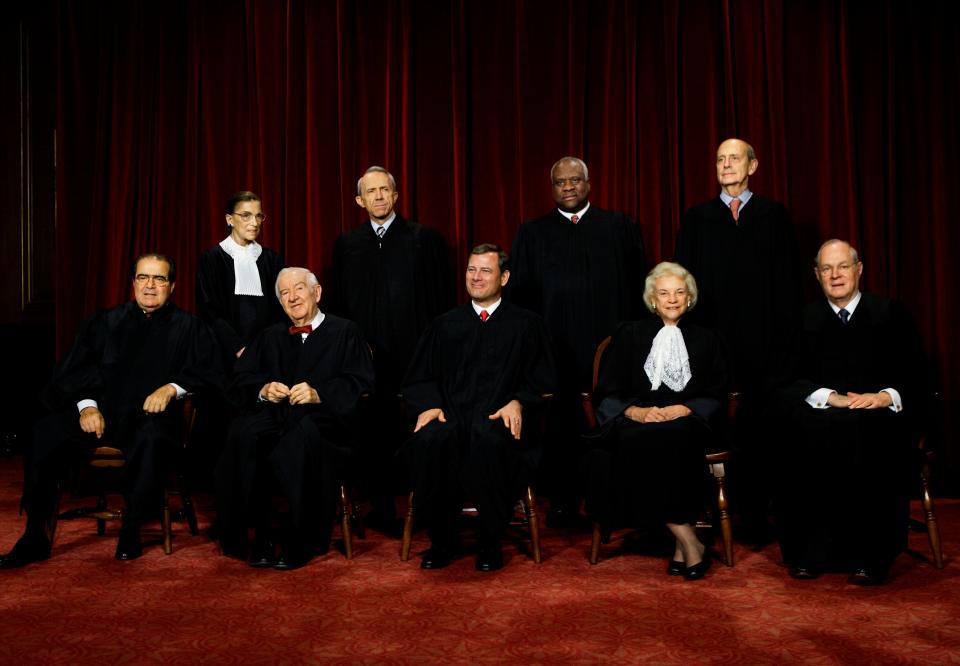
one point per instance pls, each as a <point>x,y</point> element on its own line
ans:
<point>246,216</point>
<point>839,268</point>
<point>143,278</point>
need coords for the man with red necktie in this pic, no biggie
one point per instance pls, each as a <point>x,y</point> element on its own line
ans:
<point>476,371</point>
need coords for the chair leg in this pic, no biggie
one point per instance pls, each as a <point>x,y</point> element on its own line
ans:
<point>346,509</point>
<point>534,522</point>
<point>723,509</point>
<point>930,517</point>
<point>407,531</point>
<point>165,524</point>
<point>50,527</point>
<point>186,501</point>
<point>595,544</point>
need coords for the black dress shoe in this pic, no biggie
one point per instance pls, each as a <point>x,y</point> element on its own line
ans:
<point>262,554</point>
<point>490,558</point>
<point>128,545</point>
<point>292,557</point>
<point>24,552</point>
<point>867,577</point>
<point>676,568</point>
<point>698,570</point>
<point>436,557</point>
<point>804,573</point>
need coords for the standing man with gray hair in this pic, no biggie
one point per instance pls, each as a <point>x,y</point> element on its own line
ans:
<point>299,386</point>
<point>392,277</point>
<point>577,267</point>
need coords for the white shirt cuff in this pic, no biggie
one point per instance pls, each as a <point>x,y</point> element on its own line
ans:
<point>83,404</point>
<point>894,394</point>
<point>180,391</point>
<point>818,399</point>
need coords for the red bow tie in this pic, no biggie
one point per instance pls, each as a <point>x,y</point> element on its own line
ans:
<point>300,329</point>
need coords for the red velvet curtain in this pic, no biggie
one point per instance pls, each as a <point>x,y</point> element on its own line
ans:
<point>166,107</point>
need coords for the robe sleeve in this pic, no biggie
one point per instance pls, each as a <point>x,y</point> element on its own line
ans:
<point>78,375</point>
<point>201,371</point>
<point>538,377</point>
<point>212,307</point>
<point>421,385</point>
<point>522,288</point>
<point>341,390</point>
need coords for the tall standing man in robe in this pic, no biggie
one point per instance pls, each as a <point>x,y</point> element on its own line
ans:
<point>299,386</point>
<point>855,411</point>
<point>476,373</point>
<point>742,249</point>
<point>118,386</point>
<point>392,277</point>
<point>577,267</point>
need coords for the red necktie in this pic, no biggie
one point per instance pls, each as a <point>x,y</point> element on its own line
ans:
<point>574,218</point>
<point>735,208</point>
<point>483,315</point>
<point>300,329</point>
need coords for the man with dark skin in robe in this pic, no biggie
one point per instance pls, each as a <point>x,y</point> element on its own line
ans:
<point>577,267</point>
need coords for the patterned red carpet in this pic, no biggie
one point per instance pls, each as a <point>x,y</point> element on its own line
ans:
<point>194,606</point>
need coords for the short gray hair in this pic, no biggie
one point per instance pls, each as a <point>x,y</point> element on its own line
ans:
<point>853,251</point>
<point>376,169</point>
<point>312,280</point>
<point>664,269</point>
<point>576,160</point>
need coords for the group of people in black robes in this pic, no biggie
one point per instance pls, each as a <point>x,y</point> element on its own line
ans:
<point>466,377</point>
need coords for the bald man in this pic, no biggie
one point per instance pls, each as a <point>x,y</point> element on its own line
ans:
<point>741,248</point>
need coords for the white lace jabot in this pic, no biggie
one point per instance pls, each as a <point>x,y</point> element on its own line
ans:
<point>244,266</point>
<point>668,362</point>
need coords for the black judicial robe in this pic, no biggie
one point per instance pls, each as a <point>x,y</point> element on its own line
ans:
<point>846,473</point>
<point>236,320</point>
<point>748,278</point>
<point>583,278</point>
<point>309,442</point>
<point>470,369</point>
<point>666,458</point>
<point>119,358</point>
<point>392,288</point>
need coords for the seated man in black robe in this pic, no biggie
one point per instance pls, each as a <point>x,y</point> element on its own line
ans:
<point>118,387</point>
<point>299,386</point>
<point>855,407</point>
<point>475,370</point>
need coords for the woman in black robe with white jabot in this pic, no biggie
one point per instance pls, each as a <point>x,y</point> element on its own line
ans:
<point>236,279</point>
<point>661,385</point>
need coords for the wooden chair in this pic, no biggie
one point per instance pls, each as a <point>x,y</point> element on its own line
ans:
<point>715,464</point>
<point>929,523</point>
<point>104,459</point>
<point>527,507</point>
<point>527,511</point>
